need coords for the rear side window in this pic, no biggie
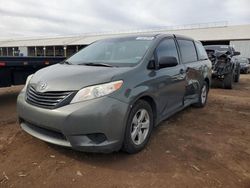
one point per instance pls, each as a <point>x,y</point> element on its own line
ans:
<point>188,52</point>
<point>167,48</point>
<point>202,54</point>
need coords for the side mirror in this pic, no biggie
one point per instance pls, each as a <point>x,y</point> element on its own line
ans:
<point>236,53</point>
<point>167,61</point>
<point>151,64</point>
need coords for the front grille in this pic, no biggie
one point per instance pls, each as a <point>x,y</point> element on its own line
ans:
<point>48,100</point>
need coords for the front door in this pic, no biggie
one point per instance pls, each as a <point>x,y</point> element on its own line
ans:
<point>171,81</point>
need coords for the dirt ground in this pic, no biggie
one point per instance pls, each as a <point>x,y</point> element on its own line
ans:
<point>207,147</point>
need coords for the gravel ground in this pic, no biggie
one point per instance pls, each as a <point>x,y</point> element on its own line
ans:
<point>207,147</point>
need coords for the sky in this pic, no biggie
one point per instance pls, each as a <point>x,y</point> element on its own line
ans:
<point>31,18</point>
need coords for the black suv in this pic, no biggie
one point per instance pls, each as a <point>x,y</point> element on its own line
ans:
<point>226,68</point>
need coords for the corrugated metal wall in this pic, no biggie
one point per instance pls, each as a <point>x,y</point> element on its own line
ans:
<point>243,46</point>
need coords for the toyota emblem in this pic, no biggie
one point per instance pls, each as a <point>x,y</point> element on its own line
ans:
<point>42,86</point>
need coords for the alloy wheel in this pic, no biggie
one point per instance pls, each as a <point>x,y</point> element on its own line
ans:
<point>204,94</point>
<point>140,126</point>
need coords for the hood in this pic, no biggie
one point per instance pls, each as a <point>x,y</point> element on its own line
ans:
<point>61,77</point>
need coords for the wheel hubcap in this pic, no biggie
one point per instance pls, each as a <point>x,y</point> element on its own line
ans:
<point>140,126</point>
<point>204,94</point>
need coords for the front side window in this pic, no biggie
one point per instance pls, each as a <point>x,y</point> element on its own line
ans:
<point>119,52</point>
<point>167,48</point>
<point>188,52</point>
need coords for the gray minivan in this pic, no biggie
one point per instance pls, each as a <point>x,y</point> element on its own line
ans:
<point>111,94</point>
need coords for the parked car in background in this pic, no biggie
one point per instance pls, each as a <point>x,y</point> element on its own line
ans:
<point>244,65</point>
<point>226,68</point>
<point>112,93</point>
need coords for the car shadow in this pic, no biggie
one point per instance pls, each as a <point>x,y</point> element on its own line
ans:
<point>114,160</point>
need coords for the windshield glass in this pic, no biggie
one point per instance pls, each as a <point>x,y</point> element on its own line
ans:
<point>118,52</point>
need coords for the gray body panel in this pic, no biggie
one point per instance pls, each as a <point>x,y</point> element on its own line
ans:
<point>170,89</point>
<point>104,115</point>
<point>63,77</point>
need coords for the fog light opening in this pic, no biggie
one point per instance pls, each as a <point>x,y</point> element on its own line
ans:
<point>97,138</point>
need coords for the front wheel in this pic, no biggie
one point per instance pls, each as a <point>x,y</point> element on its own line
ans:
<point>139,127</point>
<point>228,81</point>
<point>202,96</point>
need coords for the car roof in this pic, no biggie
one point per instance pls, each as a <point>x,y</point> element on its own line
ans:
<point>175,36</point>
<point>156,35</point>
<point>183,37</point>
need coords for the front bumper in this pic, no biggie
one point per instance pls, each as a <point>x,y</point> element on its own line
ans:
<point>96,125</point>
<point>217,76</point>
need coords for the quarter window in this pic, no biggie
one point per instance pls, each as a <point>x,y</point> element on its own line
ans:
<point>188,52</point>
<point>202,54</point>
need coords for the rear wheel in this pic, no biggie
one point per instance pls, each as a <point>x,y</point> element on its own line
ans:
<point>228,81</point>
<point>202,96</point>
<point>139,127</point>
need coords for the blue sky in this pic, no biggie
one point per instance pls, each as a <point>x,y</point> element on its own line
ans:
<point>28,18</point>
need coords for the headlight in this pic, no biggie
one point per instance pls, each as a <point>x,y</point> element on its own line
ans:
<point>96,91</point>
<point>27,81</point>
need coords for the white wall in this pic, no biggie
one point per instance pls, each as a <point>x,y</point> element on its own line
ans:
<point>23,51</point>
<point>238,32</point>
<point>243,46</point>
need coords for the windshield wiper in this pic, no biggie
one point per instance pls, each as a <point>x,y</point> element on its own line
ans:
<point>66,62</point>
<point>96,64</point>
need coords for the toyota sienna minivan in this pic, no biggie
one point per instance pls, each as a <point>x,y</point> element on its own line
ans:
<point>111,94</point>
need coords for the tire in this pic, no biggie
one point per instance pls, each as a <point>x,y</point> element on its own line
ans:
<point>228,81</point>
<point>203,94</point>
<point>237,76</point>
<point>133,144</point>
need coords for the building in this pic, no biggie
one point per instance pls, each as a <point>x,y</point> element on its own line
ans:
<point>209,33</point>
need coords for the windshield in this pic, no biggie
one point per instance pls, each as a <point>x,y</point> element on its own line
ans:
<point>117,52</point>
